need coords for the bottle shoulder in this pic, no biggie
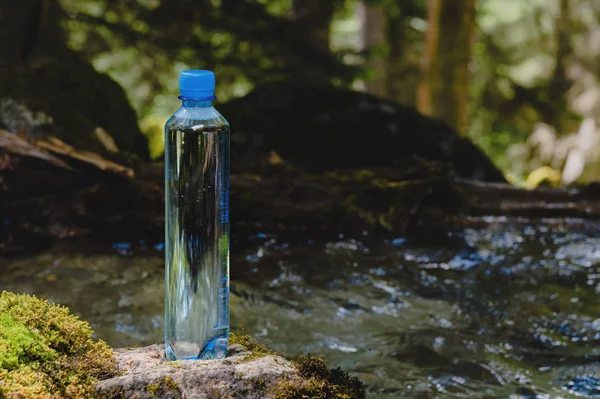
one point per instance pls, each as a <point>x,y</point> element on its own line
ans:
<point>197,116</point>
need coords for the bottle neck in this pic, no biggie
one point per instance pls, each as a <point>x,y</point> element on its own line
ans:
<point>195,103</point>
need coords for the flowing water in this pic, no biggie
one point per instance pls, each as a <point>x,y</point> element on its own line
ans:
<point>508,310</point>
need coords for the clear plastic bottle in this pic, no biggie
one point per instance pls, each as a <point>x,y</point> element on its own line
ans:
<point>196,224</point>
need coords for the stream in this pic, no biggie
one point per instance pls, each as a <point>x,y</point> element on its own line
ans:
<point>504,310</point>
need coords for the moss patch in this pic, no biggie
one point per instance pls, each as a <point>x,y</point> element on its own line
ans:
<point>19,345</point>
<point>319,382</point>
<point>167,384</point>
<point>47,352</point>
<point>152,389</point>
<point>258,349</point>
<point>316,380</point>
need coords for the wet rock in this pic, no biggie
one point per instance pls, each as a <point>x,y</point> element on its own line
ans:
<point>148,374</point>
<point>319,128</point>
<point>588,386</point>
<point>526,393</point>
<point>242,374</point>
<point>584,253</point>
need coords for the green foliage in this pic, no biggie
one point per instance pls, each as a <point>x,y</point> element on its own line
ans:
<point>47,352</point>
<point>515,83</point>
<point>153,127</point>
<point>523,75</point>
<point>245,42</point>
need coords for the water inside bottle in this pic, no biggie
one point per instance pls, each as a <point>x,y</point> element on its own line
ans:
<point>197,241</point>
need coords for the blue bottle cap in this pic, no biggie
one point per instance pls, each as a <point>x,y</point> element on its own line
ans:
<point>197,84</point>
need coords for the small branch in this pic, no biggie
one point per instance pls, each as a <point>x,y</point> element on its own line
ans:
<point>59,147</point>
<point>14,144</point>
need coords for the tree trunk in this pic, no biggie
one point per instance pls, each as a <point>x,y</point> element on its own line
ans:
<point>18,29</point>
<point>430,58</point>
<point>313,22</point>
<point>394,74</point>
<point>403,72</point>
<point>560,84</point>
<point>444,89</point>
<point>29,27</point>
<point>374,32</point>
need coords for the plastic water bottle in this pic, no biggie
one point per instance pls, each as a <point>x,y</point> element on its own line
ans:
<point>197,224</point>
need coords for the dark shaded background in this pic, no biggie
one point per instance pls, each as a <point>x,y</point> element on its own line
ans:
<point>494,70</point>
<point>331,102</point>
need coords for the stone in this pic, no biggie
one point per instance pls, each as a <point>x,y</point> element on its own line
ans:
<point>46,352</point>
<point>250,371</point>
<point>320,128</point>
<point>147,374</point>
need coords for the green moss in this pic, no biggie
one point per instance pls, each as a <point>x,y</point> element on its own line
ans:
<point>319,382</point>
<point>152,389</point>
<point>167,384</point>
<point>311,367</point>
<point>258,350</point>
<point>47,352</point>
<point>20,345</point>
<point>259,384</point>
<point>316,380</point>
<point>170,384</point>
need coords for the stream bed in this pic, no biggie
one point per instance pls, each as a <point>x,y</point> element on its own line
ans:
<point>505,310</point>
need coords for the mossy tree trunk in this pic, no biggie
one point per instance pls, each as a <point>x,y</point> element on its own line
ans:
<point>444,89</point>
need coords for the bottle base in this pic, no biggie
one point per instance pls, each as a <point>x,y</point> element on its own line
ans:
<point>216,348</point>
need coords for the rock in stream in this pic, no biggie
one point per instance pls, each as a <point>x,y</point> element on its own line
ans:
<point>146,374</point>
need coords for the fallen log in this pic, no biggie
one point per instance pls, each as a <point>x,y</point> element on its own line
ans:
<point>504,199</point>
<point>41,200</point>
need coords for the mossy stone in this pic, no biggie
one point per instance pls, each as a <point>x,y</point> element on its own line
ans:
<point>319,382</point>
<point>77,98</point>
<point>257,349</point>
<point>316,127</point>
<point>316,380</point>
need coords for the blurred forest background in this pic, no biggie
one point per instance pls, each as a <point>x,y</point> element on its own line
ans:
<point>521,79</point>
